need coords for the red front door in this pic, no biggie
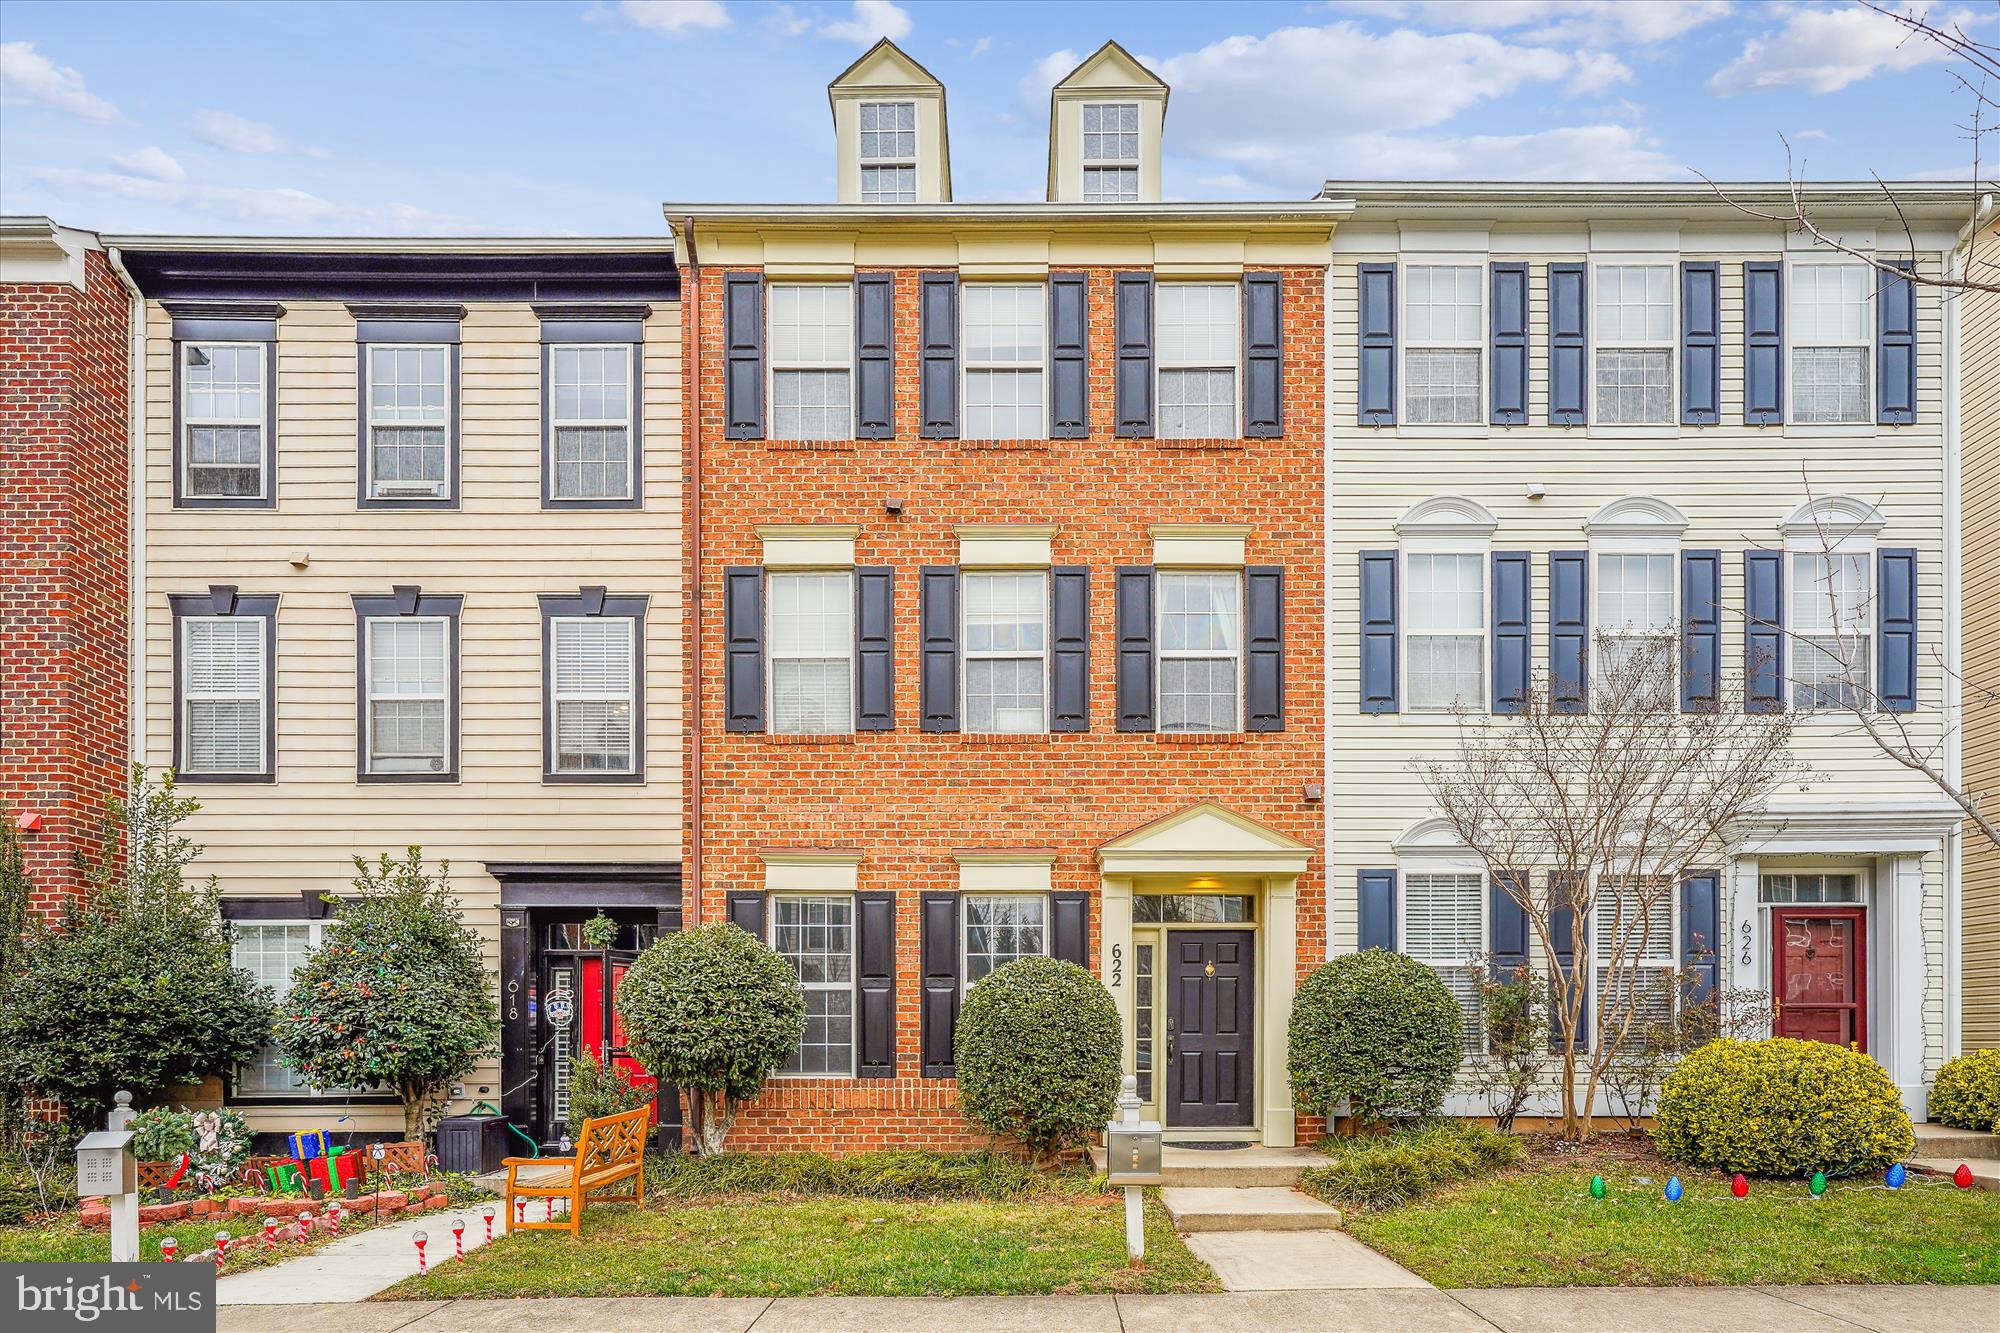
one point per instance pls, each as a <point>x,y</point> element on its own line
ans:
<point>1819,974</point>
<point>598,1012</point>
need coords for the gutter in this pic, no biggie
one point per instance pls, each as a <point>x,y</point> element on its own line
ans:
<point>690,267</point>
<point>135,518</point>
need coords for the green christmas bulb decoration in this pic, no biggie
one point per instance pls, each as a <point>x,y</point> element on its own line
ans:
<point>1597,1187</point>
<point>1818,1184</point>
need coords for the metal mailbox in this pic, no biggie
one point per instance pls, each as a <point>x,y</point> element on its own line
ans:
<point>1132,1153</point>
<point>105,1164</point>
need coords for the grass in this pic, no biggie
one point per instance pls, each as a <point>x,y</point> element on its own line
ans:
<point>1538,1226</point>
<point>65,1239</point>
<point>874,1175</point>
<point>1380,1170</point>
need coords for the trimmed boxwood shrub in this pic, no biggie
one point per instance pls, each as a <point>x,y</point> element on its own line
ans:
<point>1377,1030</point>
<point>1967,1092</point>
<point>1383,1170</point>
<point>1037,1051</point>
<point>1781,1107</point>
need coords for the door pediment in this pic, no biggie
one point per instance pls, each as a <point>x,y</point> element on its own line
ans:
<point>1205,836</point>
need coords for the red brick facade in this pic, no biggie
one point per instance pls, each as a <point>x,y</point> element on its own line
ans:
<point>64,564</point>
<point>906,798</point>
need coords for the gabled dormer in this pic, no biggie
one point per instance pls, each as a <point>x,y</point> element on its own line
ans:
<point>1105,120</point>
<point>889,129</point>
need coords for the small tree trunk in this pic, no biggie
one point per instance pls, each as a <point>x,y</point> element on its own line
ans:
<point>413,1112</point>
<point>716,1117</point>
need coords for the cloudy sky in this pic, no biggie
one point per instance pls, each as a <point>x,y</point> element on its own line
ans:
<point>555,118</point>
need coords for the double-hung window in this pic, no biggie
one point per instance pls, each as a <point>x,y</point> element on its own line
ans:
<point>1445,644</point>
<point>1829,333</point>
<point>1005,350</point>
<point>1444,919</point>
<point>1444,345</point>
<point>223,678</point>
<point>1000,928</point>
<point>888,152</point>
<point>271,951</point>
<point>815,934</point>
<point>592,406</point>
<point>1633,926</point>
<point>1832,639</point>
<point>812,652</point>
<point>1110,152</point>
<point>1635,625</point>
<point>1198,345</point>
<point>1006,651</point>
<point>596,687</point>
<point>225,454</point>
<point>408,702</point>
<point>1201,650</point>
<point>1635,344</point>
<point>409,424</point>
<point>812,361</point>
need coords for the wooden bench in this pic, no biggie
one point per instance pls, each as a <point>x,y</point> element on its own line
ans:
<point>612,1148</point>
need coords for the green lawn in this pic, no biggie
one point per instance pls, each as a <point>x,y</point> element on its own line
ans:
<point>1538,1226</point>
<point>67,1240</point>
<point>778,1246</point>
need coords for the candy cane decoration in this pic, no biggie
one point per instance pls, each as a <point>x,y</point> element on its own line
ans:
<point>419,1237</point>
<point>221,1248</point>
<point>458,1237</point>
<point>167,1247</point>
<point>270,1233</point>
<point>305,1225</point>
<point>333,1215</point>
<point>487,1213</point>
<point>520,1212</point>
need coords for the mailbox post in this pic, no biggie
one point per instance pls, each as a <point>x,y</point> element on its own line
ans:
<point>1132,1159</point>
<point>106,1168</point>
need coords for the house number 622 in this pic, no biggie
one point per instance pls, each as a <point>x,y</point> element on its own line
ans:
<point>1117,964</point>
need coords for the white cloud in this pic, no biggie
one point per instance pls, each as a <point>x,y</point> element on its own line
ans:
<point>1591,22</point>
<point>152,163</point>
<point>276,208</point>
<point>1597,71</point>
<point>871,21</point>
<point>1582,152</point>
<point>1044,75</point>
<point>675,16</point>
<point>1823,50</point>
<point>226,129</point>
<point>29,78</point>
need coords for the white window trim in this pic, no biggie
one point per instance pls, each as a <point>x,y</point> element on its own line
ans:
<point>1865,423</point>
<point>1633,525</point>
<point>1086,163</point>
<point>1804,538</point>
<point>773,366</point>
<point>853,986</point>
<point>967,656</point>
<point>1161,364</point>
<point>315,935</point>
<point>862,156</point>
<point>557,423</point>
<point>1478,261</point>
<point>267,453</point>
<point>558,697</point>
<point>771,653</point>
<point>1420,543</point>
<point>965,984</point>
<point>188,696</point>
<point>443,695</point>
<point>1862,871</point>
<point>967,365</point>
<point>448,424</point>
<point>1670,425</point>
<point>1182,654</point>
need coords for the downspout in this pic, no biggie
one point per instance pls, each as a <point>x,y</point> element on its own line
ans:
<point>691,879</point>
<point>135,518</point>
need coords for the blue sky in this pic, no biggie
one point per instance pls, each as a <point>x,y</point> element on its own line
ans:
<point>559,118</point>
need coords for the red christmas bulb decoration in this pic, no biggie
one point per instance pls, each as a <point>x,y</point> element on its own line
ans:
<point>1962,1177</point>
<point>1739,1186</point>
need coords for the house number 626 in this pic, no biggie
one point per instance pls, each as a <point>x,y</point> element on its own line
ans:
<point>1117,964</point>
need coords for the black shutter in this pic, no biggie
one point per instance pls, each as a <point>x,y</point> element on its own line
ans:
<point>1375,892</point>
<point>874,650</point>
<point>938,947</point>
<point>1069,356</point>
<point>1375,404</point>
<point>875,978</point>
<point>1263,356</point>
<point>1069,928</point>
<point>1701,934</point>
<point>1135,665</point>
<point>1701,343</point>
<point>1568,347</point>
<point>1069,648</point>
<point>1513,631</point>
<point>937,381</point>
<point>1701,630</point>
<point>743,356</point>
<point>1896,628</point>
<point>1133,388</point>
<point>1763,632</point>
<point>1264,648</point>
<point>1896,344</point>
<point>1510,344</point>
<point>1568,950</point>
<point>746,912</point>
<point>1763,342</point>
<point>937,646</point>
<point>874,356</point>
<point>1569,631</point>
<point>1380,643</point>
<point>743,648</point>
<point>1509,917</point>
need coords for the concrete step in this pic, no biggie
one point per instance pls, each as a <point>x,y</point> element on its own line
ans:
<point>1985,1170</point>
<point>1246,1208</point>
<point>1197,1167</point>
<point>1964,1144</point>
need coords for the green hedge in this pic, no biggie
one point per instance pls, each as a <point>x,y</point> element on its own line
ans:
<point>1382,1170</point>
<point>1967,1092</point>
<point>875,1175</point>
<point>1781,1107</point>
<point>1037,1051</point>
<point>1378,1031</point>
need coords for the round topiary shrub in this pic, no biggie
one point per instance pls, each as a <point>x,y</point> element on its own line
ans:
<point>1967,1092</point>
<point>1377,1030</point>
<point>1781,1108</point>
<point>1037,1053</point>
<point>715,1012</point>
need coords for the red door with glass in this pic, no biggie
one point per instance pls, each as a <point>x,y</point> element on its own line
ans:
<point>599,1011</point>
<point>1819,974</point>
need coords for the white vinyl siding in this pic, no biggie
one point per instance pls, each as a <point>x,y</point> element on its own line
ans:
<point>223,401</point>
<point>592,402</point>
<point>1110,152</point>
<point>1006,651</point>
<point>888,146</point>
<point>1004,348</point>
<point>1832,638</point>
<point>1445,610</point>
<point>1200,650</point>
<point>1635,345</point>
<point>1000,928</point>
<point>812,361</point>
<point>1644,933</point>
<point>593,681</point>
<point>1634,609</point>
<point>409,421</point>
<point>1443,315</point>
<point>815,934</point>
<point>1197,346</point>
<point>1444,915</point>
<point>812,653</point>
<point>1830,336</point>
<point>223,681</point>
<point>408,705</point>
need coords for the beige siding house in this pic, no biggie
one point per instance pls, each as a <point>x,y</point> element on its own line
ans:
<point>1980,540</point>
<point>408,574</point>
<point>1636,442</point>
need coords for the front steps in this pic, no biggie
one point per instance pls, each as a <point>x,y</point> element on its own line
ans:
<point>1251,1167</point>
<point>1940,1149</point>
<point>1246,1208</point>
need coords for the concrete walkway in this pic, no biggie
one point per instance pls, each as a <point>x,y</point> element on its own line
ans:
<point>1529,1310</point>
<point>355,1267</point>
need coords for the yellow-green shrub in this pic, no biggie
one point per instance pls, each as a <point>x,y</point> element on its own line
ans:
<point>1781,1108</point>
<point>1967,1092</point>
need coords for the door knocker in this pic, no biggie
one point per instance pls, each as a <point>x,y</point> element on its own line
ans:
<point>1208,969</point>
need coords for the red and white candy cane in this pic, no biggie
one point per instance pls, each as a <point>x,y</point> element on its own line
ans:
<point>419,1237</point>
<point>221,1248</point>
<point>487,1213</point>
<point>305,1224</point>
<point>520,1212</point>
<point>167,1247</point>
<point>458,1237</point>
<point>270,1233</point>
<point>333,1215</point>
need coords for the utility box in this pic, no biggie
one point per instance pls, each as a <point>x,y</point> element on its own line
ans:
<point>105,1165</point>
<point>1132,1153</point>
<point>471,1144</point>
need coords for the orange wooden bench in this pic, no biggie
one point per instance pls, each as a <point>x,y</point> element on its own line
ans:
<point>612,1148</point>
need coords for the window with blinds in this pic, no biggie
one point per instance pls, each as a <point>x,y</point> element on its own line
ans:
<point>1635,344</point>
<point>409,667</point>
<point>1633,923</point>
<point>811,638</point>
<point>812,361</point>
<point>1198,344</point>
<point>223,683</point>
<point>1444,928</point>
<point>1444,340</point>
<point>1200,650</point>
<point>1004,347</point>
<point>1000,928</point>
<point>592,675</point>
<point>1829,336</point>
<point>1832,633</point>
<point>1636,625</point>
<point>1445,604</point>
<point>1006,651</point>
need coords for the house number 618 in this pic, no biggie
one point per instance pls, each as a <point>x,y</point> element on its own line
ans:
<point>1117,964</point>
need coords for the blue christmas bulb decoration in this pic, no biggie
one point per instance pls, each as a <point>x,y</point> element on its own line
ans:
<point>1895,1176</point>
<point>1673,1190</point>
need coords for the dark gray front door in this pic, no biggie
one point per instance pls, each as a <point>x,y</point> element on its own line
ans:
<point>1211,1028</point>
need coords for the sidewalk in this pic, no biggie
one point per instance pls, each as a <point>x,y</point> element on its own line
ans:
<point>355,1267</point>
<point>1400,1310</point>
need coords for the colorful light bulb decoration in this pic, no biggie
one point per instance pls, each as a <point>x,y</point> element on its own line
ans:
<point>1674,1189</point>
<point>1597,1187</point>
<point>1894,1176</point>
<point>418,1238</point>
<point>167,1247</point>
<point>1962,1177</point>
<point>1739,1186</point>
<point>1817,1184</point>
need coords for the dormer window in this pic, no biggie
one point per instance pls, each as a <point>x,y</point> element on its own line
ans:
<point>888,152</point>
<point>1110,152</point>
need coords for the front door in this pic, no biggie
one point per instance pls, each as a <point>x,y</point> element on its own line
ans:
<point>1211,1028</point>
<point>1819,975</point>
<point>603,1028</point>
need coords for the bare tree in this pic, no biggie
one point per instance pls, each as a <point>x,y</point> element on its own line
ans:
<point>1589,815</point>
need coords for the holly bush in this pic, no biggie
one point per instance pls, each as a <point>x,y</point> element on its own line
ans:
<point>1781,1107</point>
<point>1967,1092</point>
<point>1037,1053</point>
<point>1377,1030</point>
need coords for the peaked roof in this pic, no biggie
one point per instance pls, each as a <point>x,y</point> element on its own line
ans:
<point>1111,53</point>
<point>1205,834</point>
<point>885,56</point>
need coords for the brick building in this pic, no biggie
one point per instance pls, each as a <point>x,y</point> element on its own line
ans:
<point>1006,544</point>
<point>64,321</point>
